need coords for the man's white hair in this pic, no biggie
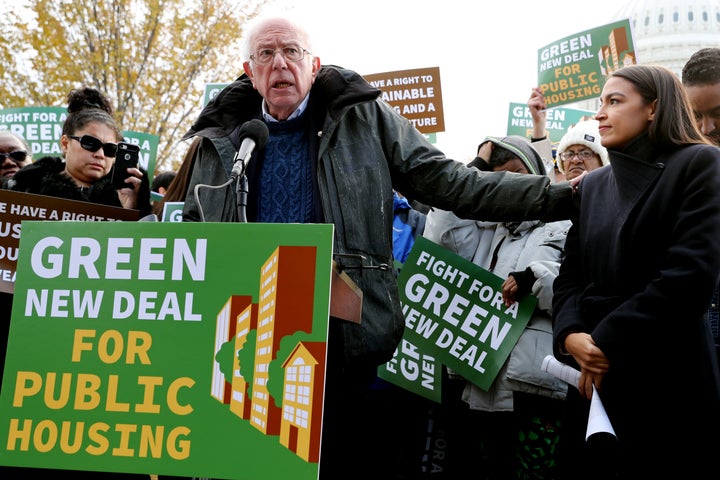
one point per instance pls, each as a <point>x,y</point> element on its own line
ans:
<point>257,25</point>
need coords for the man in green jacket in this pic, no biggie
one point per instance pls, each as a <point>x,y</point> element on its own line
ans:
<point>334,154</point>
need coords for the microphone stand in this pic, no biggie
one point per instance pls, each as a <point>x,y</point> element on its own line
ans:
<point>253,133</point>
<point>242,191</point>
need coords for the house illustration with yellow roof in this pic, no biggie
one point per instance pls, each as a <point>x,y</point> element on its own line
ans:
<point>284,310</point>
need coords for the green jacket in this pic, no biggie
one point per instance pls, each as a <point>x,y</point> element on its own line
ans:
<point>362,149</point>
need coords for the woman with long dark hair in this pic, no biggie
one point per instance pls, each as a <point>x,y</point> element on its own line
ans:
<point>641,262</point>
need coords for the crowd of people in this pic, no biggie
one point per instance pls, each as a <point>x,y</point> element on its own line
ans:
<point>615,235</point>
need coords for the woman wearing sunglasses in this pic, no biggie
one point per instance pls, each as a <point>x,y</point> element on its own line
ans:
<point>89,144</point>
<point>13,155</point>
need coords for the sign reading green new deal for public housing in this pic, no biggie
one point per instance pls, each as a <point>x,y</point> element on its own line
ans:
<point>188,349</point>
<point>575,68</point>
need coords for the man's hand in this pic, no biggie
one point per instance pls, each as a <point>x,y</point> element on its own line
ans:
<point>509,289</point>
<point>486,150</point>
<point>575,182</point>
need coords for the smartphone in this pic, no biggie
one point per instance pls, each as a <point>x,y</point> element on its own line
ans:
<point>126,157</point>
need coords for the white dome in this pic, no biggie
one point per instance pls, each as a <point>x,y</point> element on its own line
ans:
<point>669,31</point>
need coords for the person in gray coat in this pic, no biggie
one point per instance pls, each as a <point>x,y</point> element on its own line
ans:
<point>511,429</point>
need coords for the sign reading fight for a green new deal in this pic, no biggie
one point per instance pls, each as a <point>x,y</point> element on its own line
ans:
<point>185,349</point>
<point>574,68</point>
<point>454,313</point>
<point>41,127</point>
<point>414,368</point>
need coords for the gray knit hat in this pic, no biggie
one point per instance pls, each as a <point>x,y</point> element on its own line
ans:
<point>521,147</point>
<point>582,133</point>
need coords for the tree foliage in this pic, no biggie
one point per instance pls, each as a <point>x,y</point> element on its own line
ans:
<point>151,57</point>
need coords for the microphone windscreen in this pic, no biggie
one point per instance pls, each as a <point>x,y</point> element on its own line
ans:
<point>256,130</point>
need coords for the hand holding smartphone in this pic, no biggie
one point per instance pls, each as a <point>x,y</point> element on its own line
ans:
<point>127,157</point>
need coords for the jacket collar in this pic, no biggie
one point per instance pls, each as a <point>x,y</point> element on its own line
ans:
<point>335,89</point>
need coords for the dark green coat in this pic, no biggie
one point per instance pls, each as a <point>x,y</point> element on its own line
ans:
<point>361,149</point>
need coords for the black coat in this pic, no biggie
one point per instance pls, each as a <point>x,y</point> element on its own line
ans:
<point>641,263</point>
<point>45,177</point>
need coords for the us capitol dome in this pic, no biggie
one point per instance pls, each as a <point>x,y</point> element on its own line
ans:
<point>669,31</point>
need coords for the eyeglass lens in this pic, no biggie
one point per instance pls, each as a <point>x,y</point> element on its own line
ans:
<point>582,155</point>
<point>92,144</point>
<point>16,156</point>
<point>291,53</point>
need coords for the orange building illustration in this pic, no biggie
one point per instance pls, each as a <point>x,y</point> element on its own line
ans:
<point>246,321</point>
<point>302,412</point>
<point>225,324</point>
<point>284,307</point>
<point>616,54</point>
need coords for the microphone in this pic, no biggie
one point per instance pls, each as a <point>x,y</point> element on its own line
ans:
<point>253,133</point>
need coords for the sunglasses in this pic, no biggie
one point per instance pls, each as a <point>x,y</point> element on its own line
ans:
<point>92,144</point>
<point>16,156</point>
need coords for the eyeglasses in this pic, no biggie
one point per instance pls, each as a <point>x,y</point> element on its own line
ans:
<point>582,155</point>
<point>16,156</point>
<point>291,53</point>
<point>92,144</point>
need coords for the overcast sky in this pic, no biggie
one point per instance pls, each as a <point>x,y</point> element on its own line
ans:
<point>486,50</point>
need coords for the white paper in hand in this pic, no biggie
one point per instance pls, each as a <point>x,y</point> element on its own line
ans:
<point>598,420</point>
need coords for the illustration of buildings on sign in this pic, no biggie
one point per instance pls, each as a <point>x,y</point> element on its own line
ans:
<point>616,54</point>
<point>283,312</point>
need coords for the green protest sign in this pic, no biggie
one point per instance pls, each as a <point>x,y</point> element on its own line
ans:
<point>189,349</point>
<point>212,89</point>
<point>41,127</point>
<point>148,144</point>
<point>415,369</point>
<point>559,119</point>
<point>454,312</point>
<point>172,211</point>
<point>574,68</point>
